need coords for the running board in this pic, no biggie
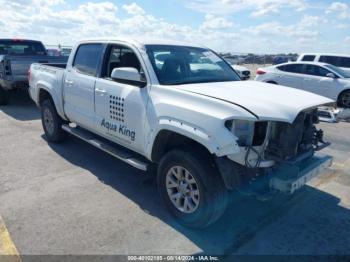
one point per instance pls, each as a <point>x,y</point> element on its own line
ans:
<point>116,151</point>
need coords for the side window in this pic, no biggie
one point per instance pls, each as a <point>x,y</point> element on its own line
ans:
<point>292,68</point>
<point>308,58</point>
<point>119,56</point>
<point>333,60</point>
<point>87,58</point>
<point>344,62</point>
<point>316,70</point>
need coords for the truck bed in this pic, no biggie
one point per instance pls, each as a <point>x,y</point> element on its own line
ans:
<point>15,74</point>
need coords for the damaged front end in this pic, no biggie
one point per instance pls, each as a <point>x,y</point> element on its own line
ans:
<point>283,152</point>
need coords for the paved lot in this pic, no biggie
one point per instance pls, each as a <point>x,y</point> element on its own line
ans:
<point>73,199</point>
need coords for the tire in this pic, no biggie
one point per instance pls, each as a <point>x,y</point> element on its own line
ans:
<point>344,99</point>
<point>198,168</point>
<point>52,122</point>
<point>4,97</point>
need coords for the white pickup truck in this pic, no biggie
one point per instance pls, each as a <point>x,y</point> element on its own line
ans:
<point>181,108</point>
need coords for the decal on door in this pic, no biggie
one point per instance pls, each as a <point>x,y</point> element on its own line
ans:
<point>116,107</point>
<point>118,128</point>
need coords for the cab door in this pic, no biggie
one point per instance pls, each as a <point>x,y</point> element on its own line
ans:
<point>79,85</point>
<point>121,107</point>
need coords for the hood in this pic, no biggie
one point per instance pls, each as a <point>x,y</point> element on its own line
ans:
<point>265,101</point>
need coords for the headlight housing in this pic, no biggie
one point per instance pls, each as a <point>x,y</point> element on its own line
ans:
<point>249,133</point>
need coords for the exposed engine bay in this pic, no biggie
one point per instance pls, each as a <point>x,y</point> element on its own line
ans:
<point>267,146</point>
<point>265,143</point>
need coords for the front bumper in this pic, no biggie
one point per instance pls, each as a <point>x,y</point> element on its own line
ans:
<point>285,178</point>
<point>289,178</point>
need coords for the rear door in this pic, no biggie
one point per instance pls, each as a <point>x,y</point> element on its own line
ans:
<point>79,85</point>
<point>121,107</point>
<point>315,80</point>
<point>290,75</point>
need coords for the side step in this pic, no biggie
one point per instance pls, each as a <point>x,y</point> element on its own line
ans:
<point>116,151</point>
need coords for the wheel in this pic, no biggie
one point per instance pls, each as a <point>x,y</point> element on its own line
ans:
<point>52,122</point>
<point>4,96</point>
<point>344,99</point>
<point>191,188</point>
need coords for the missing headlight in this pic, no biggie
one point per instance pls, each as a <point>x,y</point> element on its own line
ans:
<point>248,133</point>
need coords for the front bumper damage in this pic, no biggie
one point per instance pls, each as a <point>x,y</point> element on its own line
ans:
<point>285,177</point>
<point>289,178</point>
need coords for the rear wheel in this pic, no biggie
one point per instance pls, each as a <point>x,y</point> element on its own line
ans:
<point>4,96</point>
<point>344,99</point>
<point>52,122</point>
<point>191,188</point>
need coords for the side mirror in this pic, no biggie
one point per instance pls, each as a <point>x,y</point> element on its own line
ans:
<point>128,75</point>
<point>331,75</point>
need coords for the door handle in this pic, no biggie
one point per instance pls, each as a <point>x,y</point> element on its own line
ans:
<point>69,82</point>
<point>100,91</point>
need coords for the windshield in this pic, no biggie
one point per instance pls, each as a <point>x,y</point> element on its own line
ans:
<point>21,48</point>
<point>176,65</point>
<point>339,71</point>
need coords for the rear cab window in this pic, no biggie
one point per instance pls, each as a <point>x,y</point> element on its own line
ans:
<point>87,58</point>
<point>344,62</point>
<point>21,48</point>
<point>308,58</point>
<point>333,60</point>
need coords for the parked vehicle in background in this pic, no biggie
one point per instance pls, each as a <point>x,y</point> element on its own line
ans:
<point>16,56</point>
<point>53,52</point>
<point>181,108</point>
<point>283,59</point>
<point>242,71</point>
<point>319,78</point>
<point>339,60</point>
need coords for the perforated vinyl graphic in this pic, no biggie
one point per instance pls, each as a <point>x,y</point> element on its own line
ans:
<point>116,106</point>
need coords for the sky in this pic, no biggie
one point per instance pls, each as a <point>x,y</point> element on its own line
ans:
<point>237,26</point>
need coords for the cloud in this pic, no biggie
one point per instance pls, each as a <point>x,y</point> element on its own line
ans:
<point>55,21</point>
<point>342,10</point>
<point>311,21</point>
<point>347,39</point>
<point>134,9</point>
<point>259,8</point>
<point>212,22</point>
<point>39,19</point>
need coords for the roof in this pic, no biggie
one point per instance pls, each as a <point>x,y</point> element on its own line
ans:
<point>19,40</point>
<point>142,41</point>
<point>304,62</point>
<point>325,54</point>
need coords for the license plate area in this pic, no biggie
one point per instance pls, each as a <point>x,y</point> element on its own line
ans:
<point>289,178</point>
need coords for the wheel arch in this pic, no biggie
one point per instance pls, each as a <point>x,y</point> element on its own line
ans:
<point>167,140</point>
<point>46,93</point>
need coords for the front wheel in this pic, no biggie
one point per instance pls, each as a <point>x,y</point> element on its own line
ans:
<point>191,188</point>
<point>344,99</point>
<point>52,122</point>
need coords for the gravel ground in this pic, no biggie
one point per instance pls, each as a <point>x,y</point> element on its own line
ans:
<point>71,198</point>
